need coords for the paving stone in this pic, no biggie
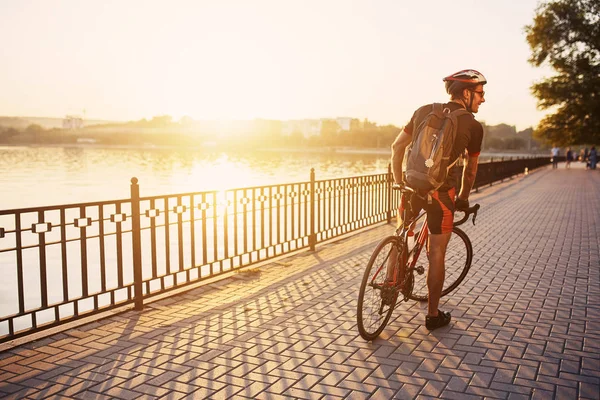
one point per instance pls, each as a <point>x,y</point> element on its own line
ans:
<point>271,396</point>
<point>20,394</point>
<point>357,395</point>
<point>563,392</point>
<point>358,386</point>
<point>227,392</point>
<point>486,393</point>
<point>589,390</point>
<point>448,394</point>
<point>457,384</point>
<point>89,395</point>
<point>254,376</point>
<point>433,388</point>
<point>184,388</point>
<point>384,393</point>
<point>526,372</point>
<point>252,390</point>
<point>504,376</point>
<point>119,393</point>
<point>151,390</point>
<point>281,385</point>
<point>549,369</point>
<point>296,393</point>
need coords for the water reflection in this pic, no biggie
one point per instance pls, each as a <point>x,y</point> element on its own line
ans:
<point>37,176</point>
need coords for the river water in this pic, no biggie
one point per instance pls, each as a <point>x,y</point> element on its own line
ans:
<point>41,176</point>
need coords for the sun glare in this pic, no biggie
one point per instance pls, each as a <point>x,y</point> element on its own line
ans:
<point>220,174</point>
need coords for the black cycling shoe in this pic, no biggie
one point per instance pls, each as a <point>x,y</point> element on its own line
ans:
<point>442,319</point>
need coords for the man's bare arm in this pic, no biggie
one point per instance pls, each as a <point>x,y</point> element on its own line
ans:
<point>398,148</point>
<point>468,177</point>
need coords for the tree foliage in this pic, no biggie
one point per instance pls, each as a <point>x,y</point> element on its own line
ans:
<point>34,129</point>
<point>565,35</point>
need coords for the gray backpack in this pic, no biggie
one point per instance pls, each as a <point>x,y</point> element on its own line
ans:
<point>428,160</point>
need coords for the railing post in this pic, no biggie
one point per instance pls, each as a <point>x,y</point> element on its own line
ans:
<point>136,236</point>
<point>389,190</point>
<point>312,237</point>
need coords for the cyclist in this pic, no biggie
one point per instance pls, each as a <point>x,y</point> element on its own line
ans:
<point>466,91</point>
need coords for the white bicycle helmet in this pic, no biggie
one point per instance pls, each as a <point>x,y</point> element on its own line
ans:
<point>465,79</point>
<point>467,76</point>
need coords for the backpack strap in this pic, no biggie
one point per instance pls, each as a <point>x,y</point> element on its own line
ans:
<point>453,115</point>
<point>459,112</point>
<point>437,108</point>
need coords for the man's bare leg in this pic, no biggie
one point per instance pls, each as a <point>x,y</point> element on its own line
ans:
<point>435,275</point>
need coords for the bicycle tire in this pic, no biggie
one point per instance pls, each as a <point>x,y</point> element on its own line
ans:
<point>373,313</point>
<point>459,255</point>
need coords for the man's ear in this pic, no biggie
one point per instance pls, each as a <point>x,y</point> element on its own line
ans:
<point>466,94</point>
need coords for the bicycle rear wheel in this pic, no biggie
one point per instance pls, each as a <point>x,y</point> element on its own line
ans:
<point>376,299</point>
<point>459,255</point>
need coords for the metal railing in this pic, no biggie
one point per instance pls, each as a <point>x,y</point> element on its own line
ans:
<point>63,263</point>
<point>493,171</point>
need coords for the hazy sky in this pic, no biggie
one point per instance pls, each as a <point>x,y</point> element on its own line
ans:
<point>280,59</point>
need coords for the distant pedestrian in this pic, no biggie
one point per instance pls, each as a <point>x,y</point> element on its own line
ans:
<point>569,157</point>
<point>586,158</point>
<point>554,153</point>
<point>593,157</point>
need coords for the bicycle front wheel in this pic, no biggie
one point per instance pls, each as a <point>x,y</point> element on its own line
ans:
<point>376,299</point>
<point>459,255</point>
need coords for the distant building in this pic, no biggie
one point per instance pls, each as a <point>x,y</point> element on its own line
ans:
<point>72,122</point>
<point>345,123</point>
<point>314,127</point>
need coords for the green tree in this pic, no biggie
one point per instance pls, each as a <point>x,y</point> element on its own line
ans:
<point>329,131</point>
<point>501,131</point>
<point>34,129</point>
<point>565,35</point>
<point>6,133</point>
<point>296,139</point>
<point>161,121</point>
<point>494,143</point>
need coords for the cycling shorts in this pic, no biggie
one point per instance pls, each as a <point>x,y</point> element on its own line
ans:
<point>440,213</point>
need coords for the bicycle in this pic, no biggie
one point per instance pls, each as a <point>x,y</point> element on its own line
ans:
<point>382,282</point>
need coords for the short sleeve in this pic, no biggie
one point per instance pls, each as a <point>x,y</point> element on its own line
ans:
<point>418,115</point>
<point>474,146</point>
<point>409,128</point>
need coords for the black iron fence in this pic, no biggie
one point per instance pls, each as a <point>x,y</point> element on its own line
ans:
<point>63,263</point>
<point>495,170</point>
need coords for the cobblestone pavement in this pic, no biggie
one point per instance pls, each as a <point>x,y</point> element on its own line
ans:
<point>525,323</point>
